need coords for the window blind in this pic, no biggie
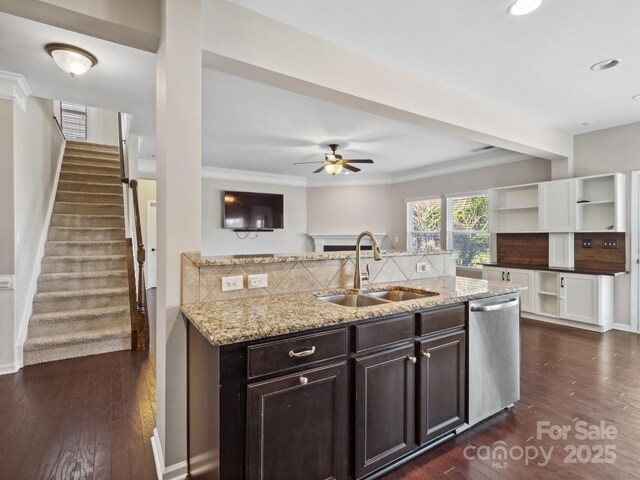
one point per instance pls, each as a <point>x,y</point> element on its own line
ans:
<point>74,121</point>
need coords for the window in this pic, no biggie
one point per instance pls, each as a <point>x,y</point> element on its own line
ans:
<point>74,121</point>
<point>468,229</point>
<point>424,221</point>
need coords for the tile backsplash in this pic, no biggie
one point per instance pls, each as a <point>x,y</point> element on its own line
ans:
<point>202,283</point>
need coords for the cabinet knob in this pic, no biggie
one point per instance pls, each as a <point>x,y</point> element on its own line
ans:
<point>412,359</point>
<point>426,354</point>
<point>304,380</point>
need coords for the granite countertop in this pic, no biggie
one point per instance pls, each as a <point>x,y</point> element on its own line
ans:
<point>202,261</point>
<point>233,321</point>
<point>583,271</point>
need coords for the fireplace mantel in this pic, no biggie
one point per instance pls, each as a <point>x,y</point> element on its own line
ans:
<point>320,240</point>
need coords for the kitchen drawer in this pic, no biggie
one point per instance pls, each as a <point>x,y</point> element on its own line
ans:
<point>441,319</point>
<point>290,353</point>
<point>383,332</point>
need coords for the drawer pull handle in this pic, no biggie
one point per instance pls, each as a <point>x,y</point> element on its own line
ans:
<point>304,380</point>
<point>426,354</point>
<point>304,353</point>
<point>412,359</point>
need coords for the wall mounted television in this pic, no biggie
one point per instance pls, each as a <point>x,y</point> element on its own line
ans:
<point>249,211</point>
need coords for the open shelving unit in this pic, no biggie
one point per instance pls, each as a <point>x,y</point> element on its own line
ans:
<point>546,293</point>
<point>601,204</point>
<point>514,209</point>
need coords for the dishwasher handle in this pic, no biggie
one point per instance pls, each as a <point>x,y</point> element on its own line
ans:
<point>512,302</point>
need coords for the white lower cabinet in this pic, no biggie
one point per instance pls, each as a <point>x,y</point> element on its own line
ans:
<point>516,276</point>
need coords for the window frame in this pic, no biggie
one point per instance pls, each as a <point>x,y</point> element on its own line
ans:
<point>449,224</point>
<point>409,220</point>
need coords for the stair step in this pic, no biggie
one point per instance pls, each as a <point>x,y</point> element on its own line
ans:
<point>83,248</point>
<point>58,282</point>
<point>108,178</point>
<point>83,144</point>
<point>62,346</point>
<point>89,263</point>
<point>92,149</point>
<point>86,233</point>
<point>92,188</point>
<point>89,197</point>
<point>91,319</point>
<point>106,169</point>
<point>75,208</point>
<point>86,221</point>
<point>80,299</point>
<point>91,160</point>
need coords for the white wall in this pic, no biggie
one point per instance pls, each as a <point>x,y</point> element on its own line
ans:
<point>219,241</point>
<point>604,151</point>
<point>37,148</point>
<point>349,210</point>
<point>102,126</point>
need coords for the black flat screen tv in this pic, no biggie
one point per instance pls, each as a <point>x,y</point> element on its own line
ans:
<point>253,211</point>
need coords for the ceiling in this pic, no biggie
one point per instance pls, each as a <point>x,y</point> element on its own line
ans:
<point>537,64</point>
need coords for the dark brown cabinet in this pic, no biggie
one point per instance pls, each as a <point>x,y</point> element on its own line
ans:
<point>384,408</point>
<point>441,385</point>
<point>297,426</point>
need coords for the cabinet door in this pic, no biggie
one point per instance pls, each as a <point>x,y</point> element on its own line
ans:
<point>556,206</point>
<point>579,297</point>
<point>523,277</point>
<point>297,426</point>
<point>441,388</point>
<point>384,408</point>
<point>494,274</point>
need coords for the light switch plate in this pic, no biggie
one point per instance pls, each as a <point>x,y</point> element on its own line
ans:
<point>258,281</point>
<point>423,267</point>
<point>232,283</point>
<point>612,244</point>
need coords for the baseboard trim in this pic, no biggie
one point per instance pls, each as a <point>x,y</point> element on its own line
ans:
<point>176,471</point>
<point>33,282</point>
<point>568,323</point>
<point>622,327</point>
<point>9,368</point>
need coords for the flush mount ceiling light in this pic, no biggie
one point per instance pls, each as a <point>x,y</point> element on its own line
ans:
<point>636,97</point>
<point>605,64</point>
<point>73,60</point>
<point>587,124</point>
<point>523,7</point>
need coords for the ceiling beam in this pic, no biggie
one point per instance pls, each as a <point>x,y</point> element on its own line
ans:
<point>244,43</point>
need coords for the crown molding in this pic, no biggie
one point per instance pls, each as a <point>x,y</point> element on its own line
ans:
<point>474,162</point>
<point>13,86</point>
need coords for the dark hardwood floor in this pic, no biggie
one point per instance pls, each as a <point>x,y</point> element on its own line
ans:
<point>93,417</point>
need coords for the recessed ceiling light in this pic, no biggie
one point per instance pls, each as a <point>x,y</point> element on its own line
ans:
<point>73,60</point>
<point>636,97</point>
<point>523,7</point>
<point>605,64</point>
<point>586,124</point>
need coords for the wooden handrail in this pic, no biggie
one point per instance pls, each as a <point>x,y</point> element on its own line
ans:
<point>55,119</point>
<point>140,327</point>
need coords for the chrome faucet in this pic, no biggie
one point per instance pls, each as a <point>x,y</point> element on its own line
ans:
<point>358,277</point>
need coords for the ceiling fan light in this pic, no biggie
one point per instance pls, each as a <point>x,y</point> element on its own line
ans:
<point>333,168</point>
<point>73,60</point>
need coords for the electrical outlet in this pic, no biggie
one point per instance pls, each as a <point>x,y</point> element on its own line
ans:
<point>232,283</point>
<point>587,243</point>
<point>613,244</point>
<point>258,281</point>
<point>423,267</point>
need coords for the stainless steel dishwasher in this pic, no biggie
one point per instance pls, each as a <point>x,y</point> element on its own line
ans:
<point>494,355</point>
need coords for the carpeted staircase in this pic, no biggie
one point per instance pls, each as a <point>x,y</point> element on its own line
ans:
<point>82,303</point>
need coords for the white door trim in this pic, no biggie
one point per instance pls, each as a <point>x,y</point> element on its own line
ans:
<point>635,249</point>
<point>149,246</point>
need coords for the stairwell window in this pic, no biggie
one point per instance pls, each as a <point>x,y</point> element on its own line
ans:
<point>74,120</point>
<point>424,219</point>
<point>468,229</point>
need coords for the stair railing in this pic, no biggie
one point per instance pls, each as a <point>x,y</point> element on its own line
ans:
<point>140,324</point>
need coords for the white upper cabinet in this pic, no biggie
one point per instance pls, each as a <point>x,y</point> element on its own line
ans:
<point>514,209</point>
<point>556,206</point>
<point>600,203</point>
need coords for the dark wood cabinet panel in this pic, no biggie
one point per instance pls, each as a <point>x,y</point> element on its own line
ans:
<point>441,319</point>
<point>297,426</point>
<point>441,386</point>
<point>383,332</point>
<point>384,408</point>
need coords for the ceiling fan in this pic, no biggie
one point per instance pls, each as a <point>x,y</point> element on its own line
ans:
<point>334,163</point>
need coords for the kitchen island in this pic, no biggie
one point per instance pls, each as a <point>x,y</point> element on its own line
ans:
<point>290,386</point>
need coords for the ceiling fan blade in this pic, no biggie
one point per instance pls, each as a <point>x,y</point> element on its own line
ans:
<point>358,160</point>
<point>319,170</point>
<point>350,168</point>
<point>304,163</point>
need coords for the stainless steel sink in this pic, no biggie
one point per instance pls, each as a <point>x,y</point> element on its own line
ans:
<point>397,295</point>
<point>353,300</point>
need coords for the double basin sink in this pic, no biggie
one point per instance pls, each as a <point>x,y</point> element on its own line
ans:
<point>380,297</point>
